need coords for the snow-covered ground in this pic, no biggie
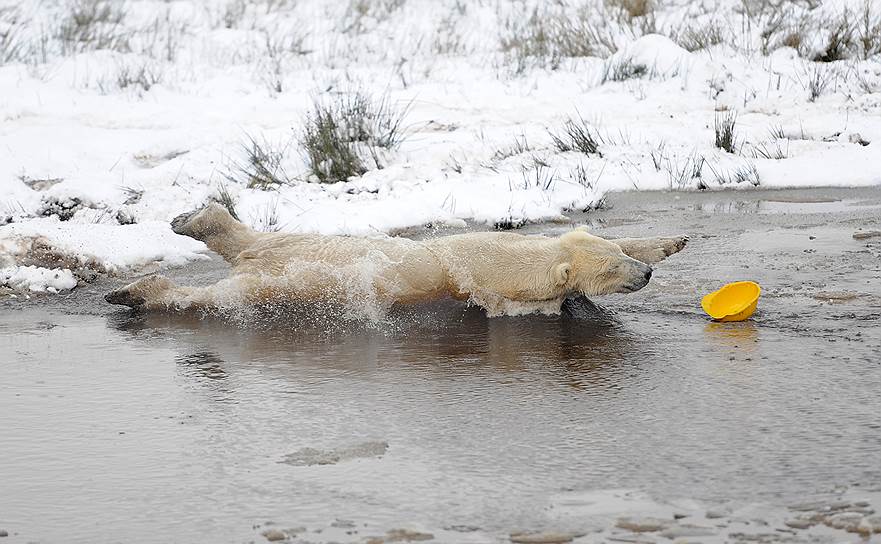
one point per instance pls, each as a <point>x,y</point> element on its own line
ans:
<point>116,116</point>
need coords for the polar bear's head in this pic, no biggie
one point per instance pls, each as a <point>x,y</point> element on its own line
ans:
<point>595,266</point>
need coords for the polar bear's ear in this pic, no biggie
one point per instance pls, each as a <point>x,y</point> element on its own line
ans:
<point>583,228</point>
<point>573,237</point>
<point>561,273</point>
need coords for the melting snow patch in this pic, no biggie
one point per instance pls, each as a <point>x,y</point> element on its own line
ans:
<point>115,247</point>
<point>37,279</point>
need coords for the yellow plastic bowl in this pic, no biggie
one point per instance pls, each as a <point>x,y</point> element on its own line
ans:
<point>733,302</point>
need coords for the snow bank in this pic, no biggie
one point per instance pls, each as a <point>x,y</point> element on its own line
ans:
<point>113,247</point>
<point>36,279</point>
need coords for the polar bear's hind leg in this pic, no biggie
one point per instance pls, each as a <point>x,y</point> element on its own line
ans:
<point>219,230</point>
<point>651,250</point>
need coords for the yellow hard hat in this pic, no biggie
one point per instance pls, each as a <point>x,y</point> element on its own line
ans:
<point>733,302</point>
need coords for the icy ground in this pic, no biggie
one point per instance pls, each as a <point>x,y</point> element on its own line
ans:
<point>117,116</point>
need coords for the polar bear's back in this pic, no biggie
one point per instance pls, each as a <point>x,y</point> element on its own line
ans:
<point>395,267</point>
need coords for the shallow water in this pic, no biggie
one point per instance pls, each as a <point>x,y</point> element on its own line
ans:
<point>118,427</point>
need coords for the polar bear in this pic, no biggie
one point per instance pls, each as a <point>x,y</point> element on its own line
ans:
<point>503,272</point>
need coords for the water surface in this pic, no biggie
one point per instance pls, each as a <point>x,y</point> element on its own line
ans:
<point>119,427</point>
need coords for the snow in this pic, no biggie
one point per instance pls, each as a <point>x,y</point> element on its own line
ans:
<point>114,247</point>
<point>37,279</point>
<point>146,153</point>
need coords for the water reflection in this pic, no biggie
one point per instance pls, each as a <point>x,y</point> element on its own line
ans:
<point>743,335</point>
<point>729,206</point>
<point>780,206</point>
<point>586,345</point>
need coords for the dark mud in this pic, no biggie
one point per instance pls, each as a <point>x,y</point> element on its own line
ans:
<point>637,420</point>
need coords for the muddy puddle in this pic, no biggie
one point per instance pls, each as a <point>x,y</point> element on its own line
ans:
<point>636,420</point>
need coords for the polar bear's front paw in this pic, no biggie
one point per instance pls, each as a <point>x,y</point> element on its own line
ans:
<point>140,294</point>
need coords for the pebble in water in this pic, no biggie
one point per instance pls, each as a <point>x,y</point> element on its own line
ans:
<point>406,535</point>
<point>400,535</point>
<point>680,531</point>
<point>642,525</point>
<point>799,523</point>
<point>759,538</point>
<point>852,522</point>
<point>632,539</point>
<point>274,535</point>
<point>866,234</point>
<point>463,528</point>
<point>543,538</point>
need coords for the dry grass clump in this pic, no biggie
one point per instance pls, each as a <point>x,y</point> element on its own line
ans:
<point>868,34</point>
<point>263,167</point>
<point>686,171</point>
<point>819,37</point>
<point>82,26</point>
<point>90,25</point>
<point>783,27</point>
<point>851,35</point>
<point>234,12</point>
<point>333,155</point>
<point>632,9</point>
<point>266,218</point>
<point>519,146</point>
<point>623,69</point>
<point>770,150</point>
<point>696,38</point>
<point>140,77</point>
<point>745,173</point>
<point>577,135</point>
<point>225,199</point>
<point>539,175</point>
<point>636,16</point>
<point>11,46</point>
<point>448,38</point>
<point>817,79</point>
<point>725,124</point>
<point>161,39</point>
<point>682,171</point>
<point>337,134</point>
<point>544,39</point>
<point>840,41</point>
<point>362,15</point>
<point>279,47</point>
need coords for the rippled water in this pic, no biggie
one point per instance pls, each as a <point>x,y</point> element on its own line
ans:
<point>136,427</point>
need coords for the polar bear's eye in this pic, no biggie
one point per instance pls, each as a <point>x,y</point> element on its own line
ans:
<point>612,268</point>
